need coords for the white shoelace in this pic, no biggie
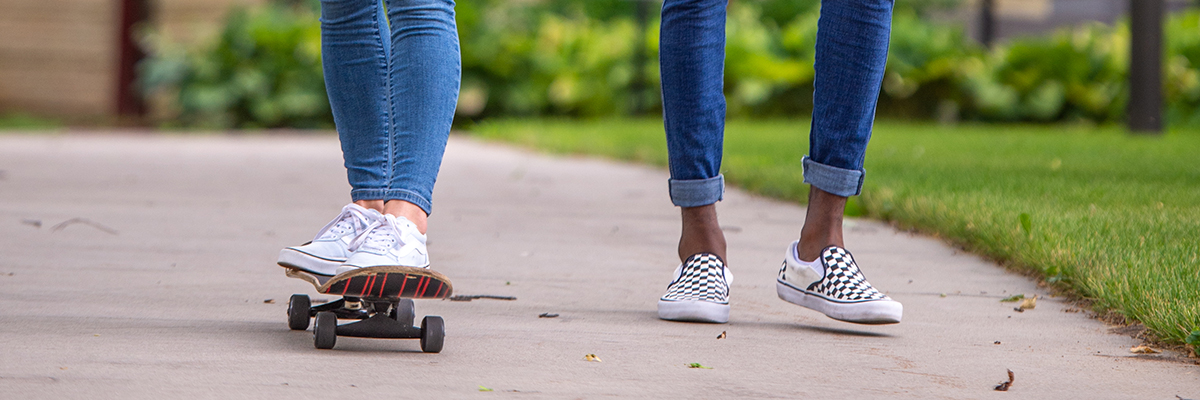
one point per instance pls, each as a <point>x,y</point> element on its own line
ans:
<point>381,235</point>
<point>344,224</point>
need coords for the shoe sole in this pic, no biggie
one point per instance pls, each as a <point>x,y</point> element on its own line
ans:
<point>295,259</point>
<point>693,311</point>
<point>878,312</point>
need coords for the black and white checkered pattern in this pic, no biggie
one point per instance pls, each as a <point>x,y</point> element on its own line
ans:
<point>843,281</point>
<point>702,277</point>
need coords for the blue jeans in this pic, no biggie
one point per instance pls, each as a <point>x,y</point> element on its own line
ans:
<point>392,91</point>
<point>852,45</point>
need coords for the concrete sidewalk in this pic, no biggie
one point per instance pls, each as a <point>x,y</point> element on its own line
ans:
<point>173,302</point>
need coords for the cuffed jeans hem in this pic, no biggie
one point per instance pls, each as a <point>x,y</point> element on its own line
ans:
<point>392,194</point>
<point>696,192</point>
<point>837,181</point>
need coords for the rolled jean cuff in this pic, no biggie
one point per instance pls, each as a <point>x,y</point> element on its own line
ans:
<point>392,194</point>
<point>837,181</point>
<point>697,192</point>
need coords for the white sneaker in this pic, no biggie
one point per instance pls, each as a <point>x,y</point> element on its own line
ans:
<point>389,241</point>
<point>330,249</point>
<point>699,292</point>
<point>839,290</point>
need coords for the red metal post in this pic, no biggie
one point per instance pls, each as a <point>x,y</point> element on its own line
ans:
<point>129,99</point>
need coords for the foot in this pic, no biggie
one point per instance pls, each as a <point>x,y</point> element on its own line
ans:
<point>832,284</point>
<point>700,291</point>
<point>330,249</point>
<point>390,241</point>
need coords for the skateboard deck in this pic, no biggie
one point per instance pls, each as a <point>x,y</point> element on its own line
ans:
<point>387,282</point>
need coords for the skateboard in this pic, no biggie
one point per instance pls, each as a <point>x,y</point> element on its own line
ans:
<point>380,297</point>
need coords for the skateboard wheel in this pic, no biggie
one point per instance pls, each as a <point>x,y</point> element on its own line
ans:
<point>325,331</point>
<point>433,334</point>
<point>404,312</point>
<point>298,308</point>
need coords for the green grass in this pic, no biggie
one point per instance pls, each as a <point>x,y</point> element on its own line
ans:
<point>1112,217</point>
<point>20,121</point>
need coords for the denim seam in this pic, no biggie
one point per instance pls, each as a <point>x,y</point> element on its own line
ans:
<point>389,166</point>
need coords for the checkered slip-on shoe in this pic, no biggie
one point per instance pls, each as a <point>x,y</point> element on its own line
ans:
<point>843,293</point>
<point>700,291</point>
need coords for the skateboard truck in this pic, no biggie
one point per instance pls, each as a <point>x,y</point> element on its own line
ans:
<point>378,318</point>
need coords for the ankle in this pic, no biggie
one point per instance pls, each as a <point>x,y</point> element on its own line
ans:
<point>410,211</point>
<point>701,233</point>
<point>376,205</point>
<point>822,224</point>
<point>810,246</point>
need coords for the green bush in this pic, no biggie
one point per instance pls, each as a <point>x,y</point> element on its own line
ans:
<point>1077,74</point>
<point>262,71</point>
<point>554,58</point>
<point>580,58</point>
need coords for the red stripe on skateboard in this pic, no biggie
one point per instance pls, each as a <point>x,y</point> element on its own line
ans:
<point>439,291</point>
<point>364,287</point>
<point>345,285</point>
<point>402,285</point>
<point>383,285</point>
<point>424,284</point>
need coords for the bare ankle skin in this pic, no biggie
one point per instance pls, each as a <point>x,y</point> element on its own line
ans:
<point>822,224</point>
<point>701,232</point>
<point>399,208</point>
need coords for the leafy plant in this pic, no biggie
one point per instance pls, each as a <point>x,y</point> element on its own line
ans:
<point>593,58</point>
<point>263,70</point>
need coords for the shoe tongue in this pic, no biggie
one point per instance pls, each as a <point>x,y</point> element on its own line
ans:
<point>382,237</point>
<point>816,265</point>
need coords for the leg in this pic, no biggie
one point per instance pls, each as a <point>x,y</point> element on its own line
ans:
<point>393,85</point>
<point>354,56</point>
<point>425,69</point>
<point>692,55</point>
<point>852,45</point>
<point>818,272</point>
<point>423,78</point>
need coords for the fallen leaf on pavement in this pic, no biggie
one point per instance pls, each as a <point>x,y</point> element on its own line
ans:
<point>721,336</point>
<point>1143,350</point>
<point>547,315</point>
<point>1029,303</point>
<point>1013,299</point>
<point>269,301</point>
<point>592,358</point>
<point>697,365</point>
<point>484,389</point>
<point>1003,387</point>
